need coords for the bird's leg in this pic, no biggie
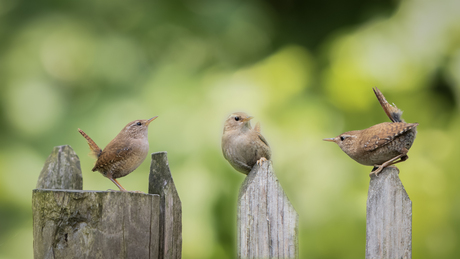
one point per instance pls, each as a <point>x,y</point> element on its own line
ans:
<point>118,185</point>
<point>109,175</point>
<point>261,160</point>
<point>403,157</point>
<point>121,187</point>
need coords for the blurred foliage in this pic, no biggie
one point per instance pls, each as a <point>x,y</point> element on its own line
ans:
<point>304,70</point>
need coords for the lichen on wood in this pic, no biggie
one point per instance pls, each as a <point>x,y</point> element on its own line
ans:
<point>94,224</point>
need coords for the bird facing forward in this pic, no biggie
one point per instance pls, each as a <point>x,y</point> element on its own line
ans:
<point>124,153</point>
<point>243,146</point>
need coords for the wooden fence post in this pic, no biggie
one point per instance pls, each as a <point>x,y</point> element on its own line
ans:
<point>161,183</point>
<point>267,222</point>
<point>61,170</point>
<point>92,224</point>
<point>389,217</point>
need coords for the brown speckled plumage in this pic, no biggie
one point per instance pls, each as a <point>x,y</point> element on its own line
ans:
<point>380,145</point>
<point>124,153</point>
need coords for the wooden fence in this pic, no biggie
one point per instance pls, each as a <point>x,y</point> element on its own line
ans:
<point>71,223</point>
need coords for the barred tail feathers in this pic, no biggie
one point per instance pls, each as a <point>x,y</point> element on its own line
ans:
<point>95,150</point>
<point>392,111</point>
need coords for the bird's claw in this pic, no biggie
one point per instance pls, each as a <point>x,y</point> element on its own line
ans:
<point>261,160</point>
<point>376,171</point>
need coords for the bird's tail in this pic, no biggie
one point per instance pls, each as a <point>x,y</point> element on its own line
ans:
<point>257,127</point>
<point>95,149</point>
<point>392,111</point>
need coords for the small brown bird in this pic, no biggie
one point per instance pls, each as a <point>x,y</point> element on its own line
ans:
<point>243,146</point>
<point>380,145</point>
<point>124,153</point>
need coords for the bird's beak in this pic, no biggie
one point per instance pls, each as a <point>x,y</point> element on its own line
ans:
<point>329,139</point>
<point>248,119</point>
<point>151,119</point>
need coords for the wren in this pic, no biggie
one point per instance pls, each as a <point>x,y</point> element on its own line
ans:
<point>381,145</point>
<point>243,146</point>
<point>124,153</point>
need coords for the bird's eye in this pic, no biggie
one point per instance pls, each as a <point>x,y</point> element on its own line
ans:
<point>139,123</point>
<point>237,118</point>
<point>342,138</point>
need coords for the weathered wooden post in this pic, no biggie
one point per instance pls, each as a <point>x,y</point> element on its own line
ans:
<point>389,217</point>
<point>267,222</point>
<point>91,224</point>
<point>161,182</point>
<point>61,170</point>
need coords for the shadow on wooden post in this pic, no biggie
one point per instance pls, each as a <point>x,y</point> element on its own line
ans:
<point>267,222</point>
<point>389,217</point>
<point>161,182</point>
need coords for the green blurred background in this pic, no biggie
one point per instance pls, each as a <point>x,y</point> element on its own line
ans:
<point>304,70</point>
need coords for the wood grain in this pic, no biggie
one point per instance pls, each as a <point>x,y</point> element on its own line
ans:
<point>95,224</point>
<point>267,221</point>
<point>161,183</point>
<point>389,217</point>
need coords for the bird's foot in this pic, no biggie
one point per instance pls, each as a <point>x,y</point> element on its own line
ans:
<point>377,169</point>
<point>261,160</point>
<point>117,183</point>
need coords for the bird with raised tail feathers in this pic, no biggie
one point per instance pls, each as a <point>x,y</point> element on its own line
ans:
<point>381,145</point>
<point>124,153</point>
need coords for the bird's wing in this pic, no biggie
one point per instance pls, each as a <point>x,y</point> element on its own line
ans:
<point>257,130</point>
<point>232,158</point>
<point>263,139</point>
<point>112,155</point>
<point>389,131</point>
